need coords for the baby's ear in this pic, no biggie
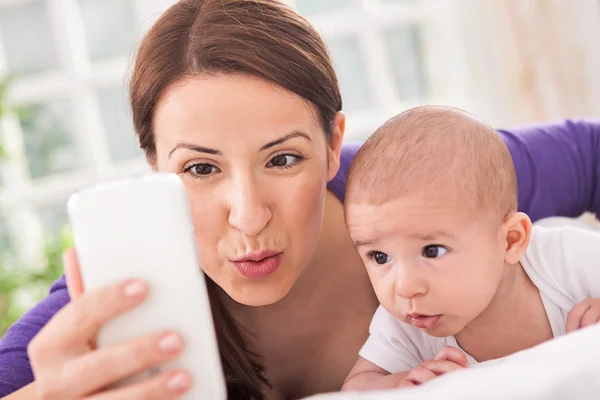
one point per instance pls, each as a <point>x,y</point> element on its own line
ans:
<point>517,232</point>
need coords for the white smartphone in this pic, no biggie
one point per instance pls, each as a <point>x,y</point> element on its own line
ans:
<point>141,228</point>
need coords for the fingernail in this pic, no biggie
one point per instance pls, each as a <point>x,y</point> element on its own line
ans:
<point>170,343</point>
<point>178,382</point>
<point>134,289</point>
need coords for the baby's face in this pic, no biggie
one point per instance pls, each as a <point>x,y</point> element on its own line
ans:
<point>430,262</point>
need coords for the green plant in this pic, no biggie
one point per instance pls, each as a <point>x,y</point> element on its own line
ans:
<point>21,285</point>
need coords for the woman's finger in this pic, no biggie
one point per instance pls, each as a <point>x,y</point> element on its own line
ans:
<point>169,385</point>
<point>72,273</point>
<point>73,328</point>
<point>103,367</point>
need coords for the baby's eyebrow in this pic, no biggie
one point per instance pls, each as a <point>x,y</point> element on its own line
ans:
<point>362,243</point>
<point>429,236</point>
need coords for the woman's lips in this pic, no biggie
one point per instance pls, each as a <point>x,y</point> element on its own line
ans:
<point>258,265</point>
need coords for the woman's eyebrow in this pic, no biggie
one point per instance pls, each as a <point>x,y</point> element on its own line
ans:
<point>193,147</point>
<point>289,136</point>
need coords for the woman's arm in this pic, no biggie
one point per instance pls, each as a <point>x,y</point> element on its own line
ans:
<point>26,393</point>
<point>15,369</point>
<point>558,167</point>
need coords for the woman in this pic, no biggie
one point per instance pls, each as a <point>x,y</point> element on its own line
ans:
<point>240,99</point>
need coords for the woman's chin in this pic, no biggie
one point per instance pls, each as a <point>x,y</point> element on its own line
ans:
<point>258,293</point>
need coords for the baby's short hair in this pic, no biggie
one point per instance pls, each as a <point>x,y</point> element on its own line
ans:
<point>440,150</point>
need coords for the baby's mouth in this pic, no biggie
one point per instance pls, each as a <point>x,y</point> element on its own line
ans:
<point>423,321</point>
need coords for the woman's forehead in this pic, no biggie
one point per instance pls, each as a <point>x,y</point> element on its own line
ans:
<point>230,107</point>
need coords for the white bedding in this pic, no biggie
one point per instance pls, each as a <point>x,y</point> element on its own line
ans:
<point>564,368</point>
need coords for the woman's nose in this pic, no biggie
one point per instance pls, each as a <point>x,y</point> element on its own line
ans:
<point>249,213</point>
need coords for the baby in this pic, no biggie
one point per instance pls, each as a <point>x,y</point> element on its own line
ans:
<point>462,277</point>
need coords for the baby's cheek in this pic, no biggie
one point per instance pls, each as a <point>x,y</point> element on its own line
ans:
<point>383,286</point>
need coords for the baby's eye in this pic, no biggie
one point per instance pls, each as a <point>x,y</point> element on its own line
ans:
<point>380,258</point>
<point>434,251</point>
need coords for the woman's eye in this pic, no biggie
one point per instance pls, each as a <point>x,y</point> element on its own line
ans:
<point>434,251</point>
<point>284,160</point>
<point>380,258</point>
<point>201,170</point>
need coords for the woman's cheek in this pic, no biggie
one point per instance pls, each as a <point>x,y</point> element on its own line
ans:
<point>304,209</point>
<point>208,224</point>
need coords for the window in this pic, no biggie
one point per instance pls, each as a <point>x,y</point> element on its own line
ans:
<point>404,47</point>
<point>312,7</point>
<point>352,75</point>
<point>48,137</point>
<point>377,51</point>
<point>28,50</point>
<point>68,60</point>
<point>109,27</point>
<point>117,124</point>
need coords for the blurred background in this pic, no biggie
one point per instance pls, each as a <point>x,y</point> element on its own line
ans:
<point>65,123</point>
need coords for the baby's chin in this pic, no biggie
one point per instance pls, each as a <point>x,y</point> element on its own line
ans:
<point>444,328</point>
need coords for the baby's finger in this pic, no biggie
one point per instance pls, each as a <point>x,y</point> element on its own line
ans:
<point>575,315</point>
<point>404,383</point>
<point>441,367</point>
<point>590,317</point>
<point>454,355</point>
<point>420,375</point>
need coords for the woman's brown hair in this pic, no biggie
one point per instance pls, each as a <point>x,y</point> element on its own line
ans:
<point>263,38</point>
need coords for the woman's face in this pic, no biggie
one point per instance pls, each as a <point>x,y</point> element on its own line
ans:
<point>255,163</point>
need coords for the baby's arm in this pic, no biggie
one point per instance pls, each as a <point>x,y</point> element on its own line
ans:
<point>367,376</point>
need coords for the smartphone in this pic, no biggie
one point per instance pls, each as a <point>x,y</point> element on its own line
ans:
<point>141,228</point>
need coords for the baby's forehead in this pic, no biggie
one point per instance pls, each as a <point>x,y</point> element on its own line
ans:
<point>447,154</point>
<point>407,216</point>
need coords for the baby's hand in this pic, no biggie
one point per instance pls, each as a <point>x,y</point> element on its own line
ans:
<point>583,314</point>
<point>448,359</point>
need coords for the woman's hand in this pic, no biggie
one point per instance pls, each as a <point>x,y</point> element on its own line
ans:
<point>67,364</point>
<point>448,359</point>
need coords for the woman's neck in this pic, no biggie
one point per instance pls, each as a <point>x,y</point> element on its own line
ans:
<point>334,273</point>
<point>515,320</point>
<point>308,341</point>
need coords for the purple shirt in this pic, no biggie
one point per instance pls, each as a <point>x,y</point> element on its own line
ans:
<point>558,171</point>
